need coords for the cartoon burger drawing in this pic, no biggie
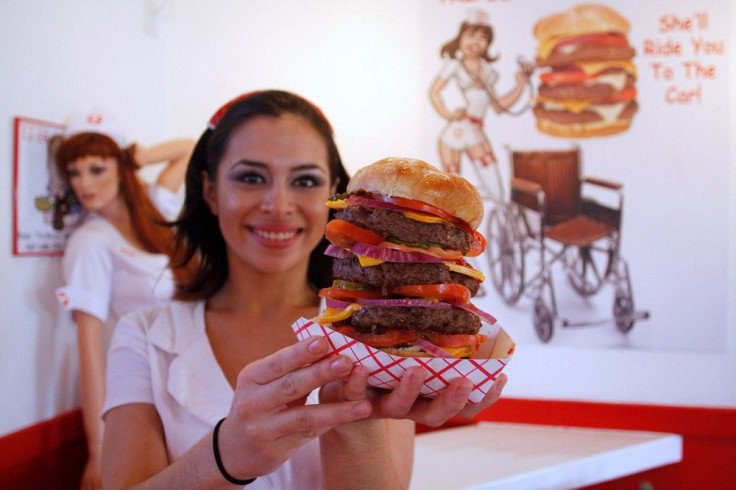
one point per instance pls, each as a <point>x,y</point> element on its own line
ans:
<point>587,81</point>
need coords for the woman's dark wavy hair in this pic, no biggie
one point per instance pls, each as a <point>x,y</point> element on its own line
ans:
<point>198,230</point>
<point>450,49</point>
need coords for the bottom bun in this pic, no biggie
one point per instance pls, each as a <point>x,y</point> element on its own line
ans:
<point>582,130</point>
<point>410,351</point>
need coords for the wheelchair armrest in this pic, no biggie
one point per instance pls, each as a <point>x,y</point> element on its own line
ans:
<point>525,186</point>
<point>528,194</point>
<point>603,183</point>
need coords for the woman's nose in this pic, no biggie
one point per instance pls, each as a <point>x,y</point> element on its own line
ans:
<point>83,180</point>
<point>278,201</point>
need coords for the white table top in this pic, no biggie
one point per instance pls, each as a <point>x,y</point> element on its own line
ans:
<point>492,455</point>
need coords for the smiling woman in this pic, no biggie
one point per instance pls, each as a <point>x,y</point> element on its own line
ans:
<point>216,386</point>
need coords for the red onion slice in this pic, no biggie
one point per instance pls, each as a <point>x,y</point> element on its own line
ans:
<point>336,252</point>
<point>404,302</point>
<point>336,303</point>
<point>486,317</point>
<point>432,349</point>
<point>391,255</point>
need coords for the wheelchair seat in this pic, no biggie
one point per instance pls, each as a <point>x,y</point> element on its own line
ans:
<point>580,231</point>
<point>554,176</point>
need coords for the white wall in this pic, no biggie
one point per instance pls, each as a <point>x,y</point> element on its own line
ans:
<point>163,76</point>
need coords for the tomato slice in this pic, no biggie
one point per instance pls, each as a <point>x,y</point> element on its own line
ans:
<point>479,244</point>
<point>600,39</point>
<point>458,340</point>
<point>345,234</point>
<point>452,292</point>
<point>386,339</point>
<point>629,93</point>
<point>349,294</point>
<point>564,77</point>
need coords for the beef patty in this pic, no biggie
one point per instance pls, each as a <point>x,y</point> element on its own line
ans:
<point>391,274</point>
<point>394,225</point>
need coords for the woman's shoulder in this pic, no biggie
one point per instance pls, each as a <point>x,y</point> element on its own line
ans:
<point>94,236</point>
<point>93,228</point>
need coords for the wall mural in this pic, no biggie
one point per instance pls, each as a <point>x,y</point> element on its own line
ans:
<point>597,134</point>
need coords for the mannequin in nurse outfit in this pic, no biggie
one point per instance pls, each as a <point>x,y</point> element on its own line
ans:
<point>117,259</point>
<point>216,385</point>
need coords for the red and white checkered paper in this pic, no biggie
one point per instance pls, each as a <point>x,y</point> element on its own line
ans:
<point>386,370</point>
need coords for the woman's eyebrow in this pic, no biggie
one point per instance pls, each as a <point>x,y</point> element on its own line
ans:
<point>297,168</point>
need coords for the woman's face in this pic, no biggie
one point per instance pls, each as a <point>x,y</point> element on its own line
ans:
<point>473,43</point>
<point>270,192</point>
<point>95,181</point>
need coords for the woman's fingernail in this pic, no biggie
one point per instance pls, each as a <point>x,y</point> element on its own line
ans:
<point>361,409</point>
<point>416,379</point>
<point>340,366</point>
<point>463,391</point>
<point>317,346</point>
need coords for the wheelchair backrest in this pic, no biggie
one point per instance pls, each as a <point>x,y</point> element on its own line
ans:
<point>558,173</point>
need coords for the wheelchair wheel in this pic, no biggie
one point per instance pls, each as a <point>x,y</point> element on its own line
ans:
<point>543,321</point>
<point>623,309</point>
<point>505,255</point>
<point>588,267</point>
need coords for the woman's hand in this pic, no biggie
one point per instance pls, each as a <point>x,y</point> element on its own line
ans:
<point>268,420</point>
<point>405,402</point>
<point>457,115</point>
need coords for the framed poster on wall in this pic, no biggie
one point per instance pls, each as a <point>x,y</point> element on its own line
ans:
<point>44,211</point>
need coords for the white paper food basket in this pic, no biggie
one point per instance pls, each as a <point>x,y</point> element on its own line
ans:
<point>386,370</point>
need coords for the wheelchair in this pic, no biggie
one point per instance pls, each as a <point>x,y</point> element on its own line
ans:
<point>553,216</point>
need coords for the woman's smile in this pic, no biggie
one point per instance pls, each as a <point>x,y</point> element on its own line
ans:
<point>275,236</point>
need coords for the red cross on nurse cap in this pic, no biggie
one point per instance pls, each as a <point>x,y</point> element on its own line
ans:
<point>96,120</point>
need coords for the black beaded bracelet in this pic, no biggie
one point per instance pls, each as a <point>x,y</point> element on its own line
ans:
<point>220,467</point>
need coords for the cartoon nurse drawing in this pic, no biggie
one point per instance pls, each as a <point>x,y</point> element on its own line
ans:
<point>469,63</point>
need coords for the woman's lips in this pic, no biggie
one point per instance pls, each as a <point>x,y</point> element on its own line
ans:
<point>275,237</point>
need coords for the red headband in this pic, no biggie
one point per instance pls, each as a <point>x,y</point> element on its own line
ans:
<point>215,119</point>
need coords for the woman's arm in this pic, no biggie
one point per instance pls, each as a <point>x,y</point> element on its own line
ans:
<point>378,453</point>
<point>92,380</point>
<point>262,430</point>
<point>501,104</point>
<point>176,153</point>
<point>369,454</point>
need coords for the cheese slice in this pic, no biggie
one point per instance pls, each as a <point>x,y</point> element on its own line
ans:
<point>368,261</point>
<point>468,271</point>
<point>574,106</point>
<point>337,204</point>
<point>458,352</point>
<point>593,67</point>
<point>547,45</point>
<point>424,218</point>
<point>332,315</point>
<point>609,112</point>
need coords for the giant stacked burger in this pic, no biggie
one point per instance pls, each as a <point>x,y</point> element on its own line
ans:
<point>401,282</point>
<point>588,89</point>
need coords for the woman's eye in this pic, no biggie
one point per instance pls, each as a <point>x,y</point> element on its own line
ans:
<point>308,181</point>
<point>251,178</point>
<point>97,170</point>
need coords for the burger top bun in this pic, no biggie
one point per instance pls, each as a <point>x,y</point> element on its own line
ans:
<point>418,180</point>
<point>581,19</point>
